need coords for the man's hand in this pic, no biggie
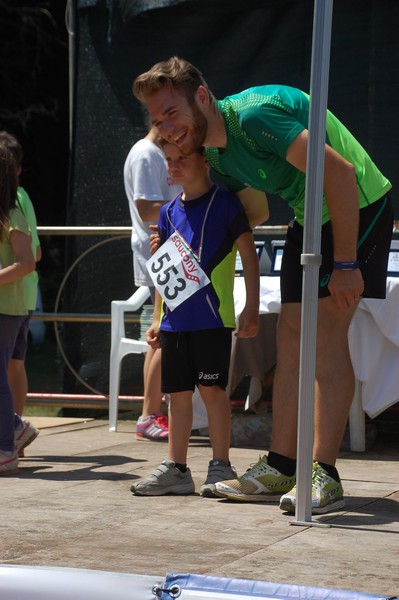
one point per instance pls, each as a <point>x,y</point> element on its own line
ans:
<point>346,287</point>
<point>248,323</point>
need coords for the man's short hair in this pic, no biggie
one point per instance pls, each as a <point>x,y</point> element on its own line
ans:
<point>175,73</point>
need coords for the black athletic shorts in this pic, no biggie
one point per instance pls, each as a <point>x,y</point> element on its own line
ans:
<point>190,358</point>
<point>375,234</point>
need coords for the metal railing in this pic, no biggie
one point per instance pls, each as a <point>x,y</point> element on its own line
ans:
<point>96,399</point>
<point>120,231</point>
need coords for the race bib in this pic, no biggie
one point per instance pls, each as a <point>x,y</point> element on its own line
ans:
<point>176,272</point>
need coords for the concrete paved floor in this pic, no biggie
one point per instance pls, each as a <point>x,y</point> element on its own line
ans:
<point>71,506</point>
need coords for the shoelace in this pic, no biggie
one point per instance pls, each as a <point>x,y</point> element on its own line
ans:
<point>162,421</point>
<point>318,475</point>
<point>259,467</point>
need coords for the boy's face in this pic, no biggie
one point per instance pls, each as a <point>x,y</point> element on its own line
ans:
<point>184,169</point>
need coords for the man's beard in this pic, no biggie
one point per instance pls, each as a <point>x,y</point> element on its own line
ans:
<point>198,134</point>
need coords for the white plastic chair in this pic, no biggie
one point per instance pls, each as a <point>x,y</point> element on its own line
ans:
<point>121,346</point>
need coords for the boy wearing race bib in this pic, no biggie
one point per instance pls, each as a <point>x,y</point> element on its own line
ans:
<point>193,272</point>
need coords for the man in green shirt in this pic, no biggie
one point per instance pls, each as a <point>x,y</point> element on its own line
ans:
<point>257,142</point>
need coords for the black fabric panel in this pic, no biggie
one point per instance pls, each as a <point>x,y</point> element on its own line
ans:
<point>236,45</point>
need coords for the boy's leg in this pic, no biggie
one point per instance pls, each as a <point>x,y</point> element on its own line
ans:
<point>180,423</point>
<point>219,419</point>
<point>172,476</point>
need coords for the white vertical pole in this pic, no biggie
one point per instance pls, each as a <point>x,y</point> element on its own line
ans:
<point>311,258</point>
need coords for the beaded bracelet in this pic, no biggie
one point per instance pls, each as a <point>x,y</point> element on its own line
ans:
<point>346,266</point>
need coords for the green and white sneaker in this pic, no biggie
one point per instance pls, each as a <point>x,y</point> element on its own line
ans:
<point>165,479</point>
<point>327,494</point>
<point>261,483</point>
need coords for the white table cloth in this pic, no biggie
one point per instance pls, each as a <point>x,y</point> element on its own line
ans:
<point>374,348</point>
<point>373,340</point>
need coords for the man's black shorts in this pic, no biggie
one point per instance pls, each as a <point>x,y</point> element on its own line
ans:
<point>191,358</point>
<point>375,234</point>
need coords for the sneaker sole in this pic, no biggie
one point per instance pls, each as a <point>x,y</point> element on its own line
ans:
<point>181,491</point>
<point>337,505</point>
<point>288,506</point>
<point>271,498</point>
<point>9,472</point>
<point>143,438</point>
<point>208,492</point>
<point>27,442</point>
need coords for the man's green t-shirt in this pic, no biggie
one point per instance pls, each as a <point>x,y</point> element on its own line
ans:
<point>261,123</point>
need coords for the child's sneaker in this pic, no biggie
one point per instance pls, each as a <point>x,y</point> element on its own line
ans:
<point>327,494</point>
<point>154,428</point>
<point>24,435</point>
<point>8,462</point>
<point>165,479</point>
<point>218,470</point>
<point>261,483</point>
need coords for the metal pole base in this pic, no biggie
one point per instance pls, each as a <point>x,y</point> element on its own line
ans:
<point>309,523</point>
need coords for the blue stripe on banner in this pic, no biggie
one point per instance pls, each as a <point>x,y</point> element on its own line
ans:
<point>204,587</point>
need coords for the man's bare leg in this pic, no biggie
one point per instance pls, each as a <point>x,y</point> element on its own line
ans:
<point>334,381</point>
<point>286,382</point>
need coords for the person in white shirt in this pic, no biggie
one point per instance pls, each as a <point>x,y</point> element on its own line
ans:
<point>148,186</point>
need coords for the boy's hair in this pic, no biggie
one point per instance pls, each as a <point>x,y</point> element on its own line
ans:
<point>8,185</point>
<point>175,73</point>
<point>162,143</point>
<point>11,142</point>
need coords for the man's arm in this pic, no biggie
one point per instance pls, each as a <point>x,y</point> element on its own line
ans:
<point>149,210</point>
<point>248,321</point>
<point>343,205</point>
<point>255,204</point>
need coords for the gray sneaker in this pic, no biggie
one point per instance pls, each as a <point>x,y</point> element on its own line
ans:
<point>218,470</point>
<point>165,479</point>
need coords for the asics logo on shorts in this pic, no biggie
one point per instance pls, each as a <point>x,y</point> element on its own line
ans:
<point>208,376</point>
<point>325,281</point>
